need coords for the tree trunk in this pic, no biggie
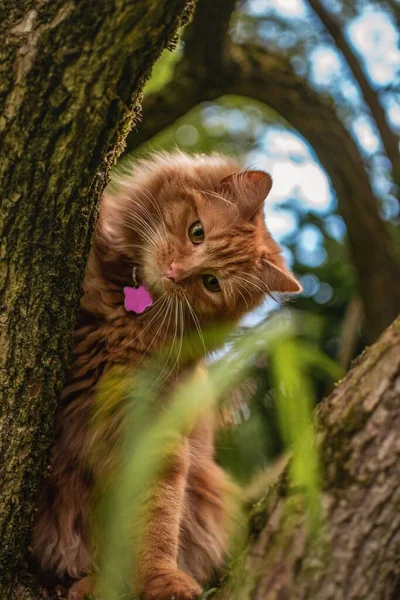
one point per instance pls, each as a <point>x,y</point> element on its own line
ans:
<point>71,75</point>
<point>355,555</point>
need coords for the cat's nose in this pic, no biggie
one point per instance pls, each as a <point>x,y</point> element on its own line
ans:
<point>174,272</point>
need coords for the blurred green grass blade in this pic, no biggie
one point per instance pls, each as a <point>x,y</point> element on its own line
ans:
<point>295,404</point>
<point>154,428</point>
<point>313,357</point>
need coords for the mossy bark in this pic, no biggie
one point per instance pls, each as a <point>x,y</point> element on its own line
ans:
<point>354,555</point>
<point>71,75</point>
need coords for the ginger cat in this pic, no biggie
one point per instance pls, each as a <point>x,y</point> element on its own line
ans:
<point>189,232</point>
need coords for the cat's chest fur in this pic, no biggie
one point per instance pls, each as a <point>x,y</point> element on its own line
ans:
<point>121,339</point>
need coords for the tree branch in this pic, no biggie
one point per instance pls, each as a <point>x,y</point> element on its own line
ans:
<point>202,74</point>
<point>206,41</point>
<point>355,554</point>
<point>389,140</point>
<point>352,323</point>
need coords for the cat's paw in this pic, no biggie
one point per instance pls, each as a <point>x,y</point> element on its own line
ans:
<point>82,588</point>
<point>173,585</point>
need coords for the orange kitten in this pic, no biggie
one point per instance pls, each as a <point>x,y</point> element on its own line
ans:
<point>179,235</point>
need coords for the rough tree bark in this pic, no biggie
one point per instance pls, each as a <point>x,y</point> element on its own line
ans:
<point>71,75</point>
<point>251,71</point>
<point>355,555</point>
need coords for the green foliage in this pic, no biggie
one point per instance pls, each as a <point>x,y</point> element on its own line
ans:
<point>163,70</point>
<point>211,126</point>
<point>153,433</point>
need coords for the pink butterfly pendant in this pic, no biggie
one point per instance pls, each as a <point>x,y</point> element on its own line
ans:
<point>137,299</point>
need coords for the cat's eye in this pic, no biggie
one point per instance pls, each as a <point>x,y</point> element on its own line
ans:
<point>211,283</point>
<point>196,233</point>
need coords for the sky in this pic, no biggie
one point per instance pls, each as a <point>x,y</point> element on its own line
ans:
<point>286,155</point>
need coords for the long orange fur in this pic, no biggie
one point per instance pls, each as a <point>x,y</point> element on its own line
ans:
<point>145,221</point>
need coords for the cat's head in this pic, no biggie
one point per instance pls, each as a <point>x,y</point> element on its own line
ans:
<point>195,227</point>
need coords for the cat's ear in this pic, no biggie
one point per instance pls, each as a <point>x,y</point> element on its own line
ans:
<point>249,188</point>
<point>280,279</point>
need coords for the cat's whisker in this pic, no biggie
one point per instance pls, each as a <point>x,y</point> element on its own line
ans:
<point>253,284</point>
<point>152,199</point>
<point>142,214</point>
<point>258,279</point>
<point>126,246</point>
<point>182,330</point>
<point>180,315</point>
<point>156,334</point>
<point>230,291</point>
<point>245,285</point>
<point>170,314</point>
<point>181,321</point>
<point>150,239</point>
<point>142,208</point>
<point>242,276</point>
<point>137,220</point>
<point>267,289</point>
<point>155,203</point>
<point>244,299</point>
<point>195,320</point>
<point>159,311</point>
<point>170,311</point>
<point>135,227</point>
<point>216,195</point>
<point>137,224</point>
<point>147,217</point>
<point>179,328</point>
<point>213,193</point>
<point>158,382</point>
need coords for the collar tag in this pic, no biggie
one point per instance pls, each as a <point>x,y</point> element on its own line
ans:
<point>137,299</point>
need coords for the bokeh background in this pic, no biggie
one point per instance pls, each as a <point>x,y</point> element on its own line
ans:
<point>302,210</point>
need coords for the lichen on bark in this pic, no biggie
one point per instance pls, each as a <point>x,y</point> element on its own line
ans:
<point>71,76</point>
